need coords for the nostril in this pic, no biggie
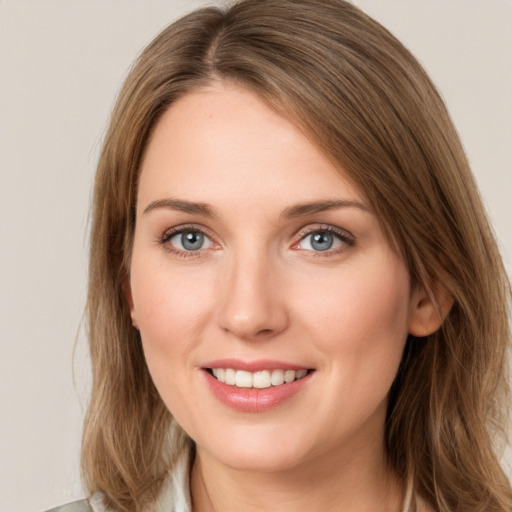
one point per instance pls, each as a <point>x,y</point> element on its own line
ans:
<point>264,332</point>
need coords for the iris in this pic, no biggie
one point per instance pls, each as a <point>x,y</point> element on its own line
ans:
<point>192,240</point>
<point>322,240</point>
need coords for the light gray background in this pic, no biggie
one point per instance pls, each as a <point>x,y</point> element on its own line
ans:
<point>61,65</point>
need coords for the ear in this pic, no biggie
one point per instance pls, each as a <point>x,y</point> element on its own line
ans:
<point>127,292</point>
<point>429,308</point>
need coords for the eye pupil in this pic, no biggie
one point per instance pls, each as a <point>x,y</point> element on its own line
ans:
<point>322,241</point>
<point>192,240</point>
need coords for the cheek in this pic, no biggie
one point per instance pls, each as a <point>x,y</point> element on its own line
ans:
<point>364,318</point>
<point>359,337</point>
<point>170,306</point>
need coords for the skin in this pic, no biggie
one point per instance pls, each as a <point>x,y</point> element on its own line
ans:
<point>258,289</point>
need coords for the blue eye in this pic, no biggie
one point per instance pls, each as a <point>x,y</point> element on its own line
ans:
<point>190,240</point>
<point>323,240</point>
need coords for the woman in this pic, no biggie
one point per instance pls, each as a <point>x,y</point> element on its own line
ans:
<point>295,298</point>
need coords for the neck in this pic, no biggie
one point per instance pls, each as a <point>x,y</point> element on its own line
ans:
<point>362,482</point>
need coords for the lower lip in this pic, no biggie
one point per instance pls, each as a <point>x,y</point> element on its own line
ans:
<point>252,399</point>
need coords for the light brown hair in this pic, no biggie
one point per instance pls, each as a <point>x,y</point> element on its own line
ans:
<point>366,102</point>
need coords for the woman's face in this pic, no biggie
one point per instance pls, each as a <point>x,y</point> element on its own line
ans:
<point>256,260</point>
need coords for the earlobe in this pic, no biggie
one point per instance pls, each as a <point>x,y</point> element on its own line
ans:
<point>127,292</point>
<point>428,310</point>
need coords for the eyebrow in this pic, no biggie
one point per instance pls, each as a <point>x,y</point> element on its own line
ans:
<point>304,209</point>
<point>180,205</point>
<point>298,210</point>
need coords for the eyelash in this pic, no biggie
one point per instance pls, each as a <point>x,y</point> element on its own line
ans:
<point>186,228</point>
<point>346,238</point>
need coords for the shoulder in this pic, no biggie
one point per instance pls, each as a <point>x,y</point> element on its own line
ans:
<point>75,506</point>
<point>174,496</point>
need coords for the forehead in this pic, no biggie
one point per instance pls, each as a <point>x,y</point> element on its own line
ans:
<point>224,141</point>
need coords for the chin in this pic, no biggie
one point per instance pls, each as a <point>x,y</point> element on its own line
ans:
<point>274,461</point>
<point>254,450</point>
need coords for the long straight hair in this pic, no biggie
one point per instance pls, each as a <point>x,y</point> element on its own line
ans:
<point>364,100</point>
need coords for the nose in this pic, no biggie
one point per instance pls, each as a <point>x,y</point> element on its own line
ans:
<point>252,301</point>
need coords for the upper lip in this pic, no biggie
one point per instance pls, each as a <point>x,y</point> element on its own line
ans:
<point>254,366</point>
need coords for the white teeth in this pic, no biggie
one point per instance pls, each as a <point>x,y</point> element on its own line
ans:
<point>259,380</point>
<point>277,377</point>
<point>243,379</point>
<point>230,377</point>
<point>298,374</point>
<point>289,375</point>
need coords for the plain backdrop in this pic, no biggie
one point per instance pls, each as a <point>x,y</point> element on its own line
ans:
<point>61,65</point>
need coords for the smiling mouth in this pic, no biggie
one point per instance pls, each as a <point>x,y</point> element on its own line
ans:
<point>258,380</point>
